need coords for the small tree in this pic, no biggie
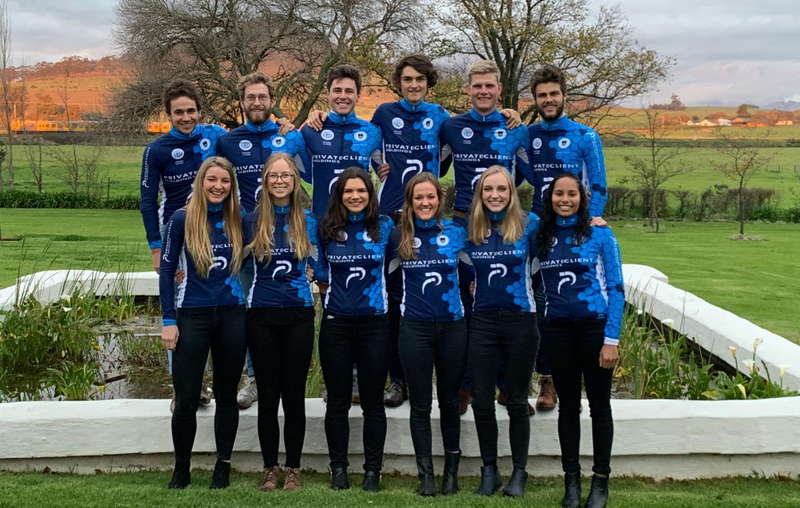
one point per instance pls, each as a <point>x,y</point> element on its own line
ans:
<point>661,163</point>
<point>6,81</point>
<point>742,158</point>
<point>741,111</point>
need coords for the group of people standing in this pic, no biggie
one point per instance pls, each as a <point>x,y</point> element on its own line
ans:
<point>460,295</point>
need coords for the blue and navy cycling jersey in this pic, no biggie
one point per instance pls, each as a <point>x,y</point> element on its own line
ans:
<point>249,146</point>
<point>565,146</point>
<point>282,282</point>
<point>430,282</point>
<point>502,270</point>
<point>344,141</point>
<point>476,143</point>
<point>169,165</point>
<point>584,281</point>
<point>354,265</point>
<point>219,288</point>
<point>410,146</point>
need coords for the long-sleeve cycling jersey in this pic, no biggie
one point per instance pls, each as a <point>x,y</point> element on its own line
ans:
<point>354,265</point>
<point>566,146</point>
<point>344,141</point>
<point>430,282</point>
<point>282,282</point>
<point>503,271</point>
<point>476,143</point>
<point>169,165</point>
<point>219,288</point>
<point>584,281</point>
<point>410,146</point>
<point>249,146</point>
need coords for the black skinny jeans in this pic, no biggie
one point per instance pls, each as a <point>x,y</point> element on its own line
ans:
<point>575,353</point>
<point>424,344</point>
<point>512,337</point>
<point>281,342</point>
<point>363,340</point>
<point>222,330</point>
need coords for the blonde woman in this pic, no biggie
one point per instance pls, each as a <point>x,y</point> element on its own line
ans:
<point>501,246</point>
<point>280,315</point>
<point>204,239</point>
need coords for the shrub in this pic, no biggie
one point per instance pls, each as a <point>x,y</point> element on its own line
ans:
<point>28,199</point>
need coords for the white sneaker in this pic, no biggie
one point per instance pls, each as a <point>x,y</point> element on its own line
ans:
<point>248,394</point>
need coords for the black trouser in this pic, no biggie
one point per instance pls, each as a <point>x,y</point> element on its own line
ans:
<point>574,352</point>
<point>394,289</point>
<point>222,330</point>
<point>363,340</point>
<point>512,337</point>
<point>424,344</point>
<point>281,342</point>
<point>543,356</point>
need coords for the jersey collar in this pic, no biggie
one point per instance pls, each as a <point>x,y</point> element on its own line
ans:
<point>565,222</point>
<point>412,107</point>
<point>269,125</point>
<point>424,224</point>
<point>281,210</point>
<point>494,115</point>
<point>356,217</point>
<point>558,123</point>
<point>178,134</point>
<point>215,208</point>
<point>343,120</point>
<point>496,216</point>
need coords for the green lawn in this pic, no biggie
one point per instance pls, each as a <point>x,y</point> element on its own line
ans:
<point>757,280</point>
<point>149,489</point>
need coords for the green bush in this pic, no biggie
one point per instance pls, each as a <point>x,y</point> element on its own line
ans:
<point>28,199</point>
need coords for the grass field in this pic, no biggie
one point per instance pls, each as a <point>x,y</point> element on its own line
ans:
<point>122,166</point>
<point>757,280</point>
<point>145,489</point>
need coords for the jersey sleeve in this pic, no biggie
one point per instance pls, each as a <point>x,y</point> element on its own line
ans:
<point>445,151</point>
<point>317,258</point>
<point>615,287</point>
<point>533,235</point>
<point>392,259</point>
<point>248,227</point>
<point>596,173</point>
<point>299,150</point>
<point>377,154</point>
<point>522,162</point>
<point>148,203</point>
<point>170,258</point>
<point>307,173</point>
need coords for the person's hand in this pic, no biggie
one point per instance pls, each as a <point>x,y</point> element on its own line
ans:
<point>323,287</point>
<point>608,356</point>
<point>309,273</point>
<point>598,221</point>
<point>156,259</point>
<point>286,126</point>
<point>179,275</point>
<point>315,119</point>
<point>169,336</point>
<point>513,119</point>
<point>383,171</point>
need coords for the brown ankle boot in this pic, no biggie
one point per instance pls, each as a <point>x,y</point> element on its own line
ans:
<point>291,479</point>
<point>464,400</point>
<point>270,481</point>
<point>547,394</point>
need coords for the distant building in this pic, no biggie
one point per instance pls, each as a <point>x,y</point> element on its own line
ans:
<point>739,122</point>
<point>707,123</point>
<point>723,122</point>
<point>784,122</point>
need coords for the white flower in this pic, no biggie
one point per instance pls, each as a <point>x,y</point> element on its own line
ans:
<point>65,298</point>
<point>66,309</point>
<point>668,322</point>
<point>639,311</point>
<point>757,343</point>
<point>742,389</point>
<point>783,369</point>
<point>733,349</point>
<point>751,365</point>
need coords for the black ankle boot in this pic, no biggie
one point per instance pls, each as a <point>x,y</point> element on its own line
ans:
<point>222,475</point>
<point>598,495</point>
<point>339,478</point>
<point>516,484</point>
<point>450,474</point>
<point>490,481</point>
<point>372,481</point>
<point>181,476</point>
<point>572,490</point>
<point>427,487</point>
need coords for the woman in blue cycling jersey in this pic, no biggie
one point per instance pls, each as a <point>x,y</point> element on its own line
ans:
<point>584,292</point>
<point>501,245</point>
<point>433,331</point>
<point>204,239</point>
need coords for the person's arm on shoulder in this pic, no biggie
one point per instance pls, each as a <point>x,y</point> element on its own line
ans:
<point>285,126</point>
<point>513,120</point>
<point>596,169</point>
<point>615,287</point>
<point>148,203</point>
<point>316,119</point>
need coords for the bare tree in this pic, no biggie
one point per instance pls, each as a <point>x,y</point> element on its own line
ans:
<point>742,159</point>
<point>32,150</point>
<point>661,163</point>
<point>604,64</point>
<point>215,43</point>
<point>6,80</point>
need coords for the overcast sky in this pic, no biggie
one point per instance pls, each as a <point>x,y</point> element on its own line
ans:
<point>727,51</point>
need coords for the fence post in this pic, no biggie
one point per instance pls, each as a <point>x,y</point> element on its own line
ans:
<point>108,192</point>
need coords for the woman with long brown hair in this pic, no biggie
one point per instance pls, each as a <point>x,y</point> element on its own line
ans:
<point>501,246</point>
<point>433,331</point>
<point>280,317</point>
<point>355,326</point>
<point>204,239</point>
